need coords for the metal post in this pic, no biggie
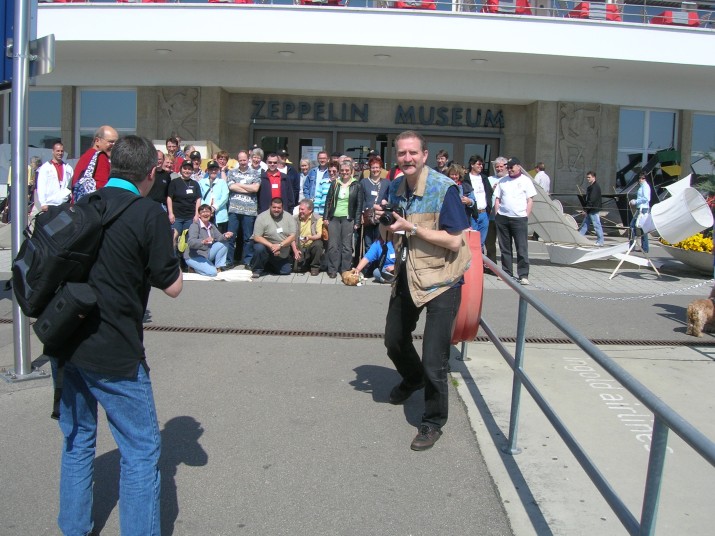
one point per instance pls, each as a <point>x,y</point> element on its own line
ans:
<point>516,383</point>
<point>654,477</point>
<point>18,118</point>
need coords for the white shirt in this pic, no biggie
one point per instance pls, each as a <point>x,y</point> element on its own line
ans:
<point>513,194</point>
<point>51,189</point>
<point>479,194</point>
<point>543,180</point>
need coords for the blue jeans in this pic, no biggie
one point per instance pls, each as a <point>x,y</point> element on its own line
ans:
<point>516,229</point>
<point>634,229</point>
<point>264,258</point>
<point>595,220</point>
<point>245,223</point>
<point>129,405</point>
<point>181,225</point>
<point>481,224</point>
<point>402,317</point>
<point>217,259</point>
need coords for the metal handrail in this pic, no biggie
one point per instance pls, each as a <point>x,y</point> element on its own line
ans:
<point>665,418</point>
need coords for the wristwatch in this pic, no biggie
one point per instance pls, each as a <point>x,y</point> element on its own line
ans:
<point>413,231</point>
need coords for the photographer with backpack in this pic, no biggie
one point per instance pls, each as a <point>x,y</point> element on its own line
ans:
<point>103,361</point>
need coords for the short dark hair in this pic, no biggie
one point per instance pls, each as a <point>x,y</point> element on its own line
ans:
<point>474,159</point>
<point>133,158</point>
<point>444,153</point>
<point>541,167</point>
<point>277,201</point>
<point>592,173</point>
<point>270,155</point>
<point>204,207</point>
<point>173,140</point>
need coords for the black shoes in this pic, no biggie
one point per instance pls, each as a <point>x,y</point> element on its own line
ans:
<point>426,437</point>
<point>402,392</point>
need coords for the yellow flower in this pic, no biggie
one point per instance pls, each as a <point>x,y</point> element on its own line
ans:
<point>696,242</point>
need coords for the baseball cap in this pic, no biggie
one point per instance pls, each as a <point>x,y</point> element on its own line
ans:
<point>187,163</point>
<point>195,155</point>
<point>212,164</point>
<point>513,161</point>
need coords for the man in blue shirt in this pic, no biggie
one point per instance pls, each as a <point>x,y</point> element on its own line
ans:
<point>642,206</point>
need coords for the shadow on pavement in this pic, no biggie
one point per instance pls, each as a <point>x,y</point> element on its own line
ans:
<point>536,517</point>
<point>179,444</point>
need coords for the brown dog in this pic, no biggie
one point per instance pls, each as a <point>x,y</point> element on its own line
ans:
<point>701,316</point>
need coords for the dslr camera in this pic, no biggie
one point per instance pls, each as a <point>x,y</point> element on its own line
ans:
<point>387,218</point>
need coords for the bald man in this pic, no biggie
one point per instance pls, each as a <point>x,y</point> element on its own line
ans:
<point>98,155</point>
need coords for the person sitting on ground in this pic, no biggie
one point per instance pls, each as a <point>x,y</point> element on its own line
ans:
<point>383,268</point>
<point>308,249</point>
<point>273,233</point>
<point>214,192</point>
<point>206,251</point>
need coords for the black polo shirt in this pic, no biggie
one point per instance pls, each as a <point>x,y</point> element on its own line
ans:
<point>136,254</point>
<point>160,190</point>
<point>183,196</point>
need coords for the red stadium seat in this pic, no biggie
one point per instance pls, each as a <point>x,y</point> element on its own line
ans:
<point>416,5</point>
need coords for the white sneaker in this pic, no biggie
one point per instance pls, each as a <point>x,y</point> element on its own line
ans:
<point>524,281</point>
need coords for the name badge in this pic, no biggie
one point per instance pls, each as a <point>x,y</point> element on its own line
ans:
<point>189,190</point>
<point>391,255</point>
<point>274,186</point>
<point>374,193</point>
<point>244,181</point>
<point>279,229</point>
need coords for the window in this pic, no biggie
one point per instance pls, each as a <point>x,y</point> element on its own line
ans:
<point>44,117</point>
<point>644,132</point>
<point>97,107</point>
<point>703,143</point>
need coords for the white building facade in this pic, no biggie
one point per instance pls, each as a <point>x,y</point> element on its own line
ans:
<point>576,94</point>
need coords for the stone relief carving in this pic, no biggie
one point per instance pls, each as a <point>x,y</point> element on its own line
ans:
<point>179,112</point>
<point>578,133</point>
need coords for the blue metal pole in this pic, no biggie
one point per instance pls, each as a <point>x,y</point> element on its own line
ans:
<point>654,477</point>
<point>516,383</point>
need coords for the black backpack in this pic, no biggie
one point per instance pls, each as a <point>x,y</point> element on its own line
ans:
<point>61,249</point>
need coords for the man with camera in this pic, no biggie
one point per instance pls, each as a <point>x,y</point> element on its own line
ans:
<point>426,215</point>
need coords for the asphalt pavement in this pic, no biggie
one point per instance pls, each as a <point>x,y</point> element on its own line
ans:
<point>271,396</point>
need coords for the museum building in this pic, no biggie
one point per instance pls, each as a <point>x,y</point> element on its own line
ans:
<point>578,93</point>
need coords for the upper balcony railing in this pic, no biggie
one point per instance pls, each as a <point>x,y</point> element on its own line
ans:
<point>685,14</point>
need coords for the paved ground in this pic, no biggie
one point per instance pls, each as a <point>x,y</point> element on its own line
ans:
<point>274,435</point>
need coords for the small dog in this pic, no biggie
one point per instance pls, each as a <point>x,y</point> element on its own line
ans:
<point>351,278</point>
<point>701,316</point>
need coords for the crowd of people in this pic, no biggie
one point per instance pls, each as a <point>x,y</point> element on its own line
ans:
<point>259,212</point>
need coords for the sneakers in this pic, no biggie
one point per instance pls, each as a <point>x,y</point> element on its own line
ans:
<point>524,281</point>
<point>403,391</point>
<point>426,437</point>
<point>255,275</point>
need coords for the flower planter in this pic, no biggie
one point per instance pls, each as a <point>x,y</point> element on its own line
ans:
<point>700,260</point>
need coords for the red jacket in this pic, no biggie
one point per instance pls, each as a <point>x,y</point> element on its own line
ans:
<point>101,170</point>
